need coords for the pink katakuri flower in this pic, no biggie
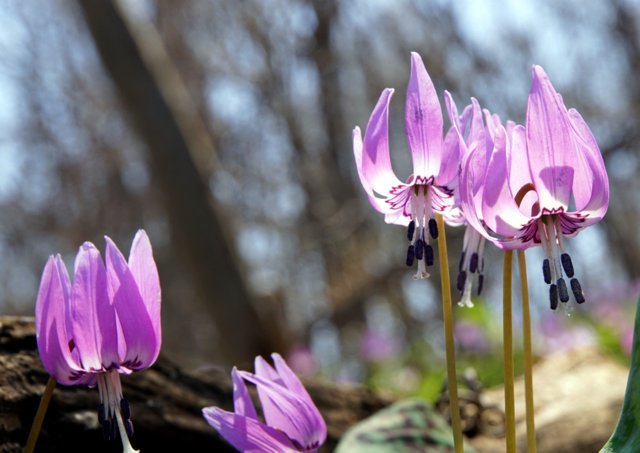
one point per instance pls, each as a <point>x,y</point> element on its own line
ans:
<point>293,422</point>
<point>106,323</point>
<point>413,202</point>
<point>542,183</point>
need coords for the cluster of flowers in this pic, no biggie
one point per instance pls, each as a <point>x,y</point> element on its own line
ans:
<point>513,185</point>
<point>107,323</point>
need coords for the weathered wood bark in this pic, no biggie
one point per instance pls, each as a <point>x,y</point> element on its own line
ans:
<point>165,400</point>
<point>158,105</point>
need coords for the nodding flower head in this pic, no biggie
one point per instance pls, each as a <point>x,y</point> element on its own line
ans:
<point>105,324</point>
<point>435,165</point>
<point>293,422</point>
<point>541,183</point>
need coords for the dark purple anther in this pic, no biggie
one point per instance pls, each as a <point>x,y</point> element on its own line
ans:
<point>125,410</point>
<point>567,264</point>
<point>107,430</point>
<point>428,255</point>
<point>419,249</point>
<point>562,290</point>
<point>410,255</point>
<point>546,271</point>
<point>473,264</point>
<point>553,296</point>
<point>101,415</point>
<point>461,262</point>
<point>410,230</point>
<point>462,277</point>
<point>577,290</point>
<point>480,282</point>
<point>128,426</point>
<point>433,228</point>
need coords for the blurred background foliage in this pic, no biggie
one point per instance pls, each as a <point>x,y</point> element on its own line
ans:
<point>228,138</point>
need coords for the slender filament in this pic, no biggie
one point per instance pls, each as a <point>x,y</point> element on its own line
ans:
<point>40,413</point>
<point>447,315</point>
<point>528,356</point>
<point>507,333</point>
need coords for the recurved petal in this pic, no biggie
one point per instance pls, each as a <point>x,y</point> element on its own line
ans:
<point>591,183</point>
<point>519,174</point>
<point>500,211</point>
<point>378,203</point>
<point>52,335</point>
<point>550,145</point>
<point>242,404</point>
<point>138,343</point>
<point>247,434</point>
<point>376,163</point>
<point>145,273</point>
<point>288,411</point>
<point>423,119</point>
<point>93,323</point>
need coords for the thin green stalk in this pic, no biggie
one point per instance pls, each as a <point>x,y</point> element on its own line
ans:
<point>39,418</point>
<point>447,315</point>
<point>507,329</point>
<point>528,356</point>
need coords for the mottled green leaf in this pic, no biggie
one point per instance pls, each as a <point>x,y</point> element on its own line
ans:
<point>406,426</point>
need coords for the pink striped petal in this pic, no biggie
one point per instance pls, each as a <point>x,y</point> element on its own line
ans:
<point>499,209</point>
<point>145,273</point>
<point>52,335</point>
<point>242,404</point>
<point>423,118</point>
<point>138,337</point>
<point>287,411</point>
<point>550,145</point>
<point>376,164</point>
<point>247,434</point>
<point>92,319</point>
<point>378,203</point>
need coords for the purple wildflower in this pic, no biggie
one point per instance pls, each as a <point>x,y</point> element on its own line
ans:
<point>427,190</point>
<point>107,322</point>
<point>541,183</point>
<point>293,422</point>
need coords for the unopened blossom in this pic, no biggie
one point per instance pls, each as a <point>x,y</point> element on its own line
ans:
<point>544,182</point>
<point>426,191</point>
<point>292,421</point>
<point>105,323</point>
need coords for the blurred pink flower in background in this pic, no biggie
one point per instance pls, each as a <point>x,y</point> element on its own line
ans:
<point>471,338</point>
<point>377,346</point>
<point>302,361</point>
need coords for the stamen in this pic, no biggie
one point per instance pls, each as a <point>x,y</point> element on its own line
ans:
<point>101,416</point>
<point>480,282</point>
<point>462,277</point>
<point>546,271</point>
<point>553,296</point>
<point>576,288</point>
<point>433,228</point>
<point>567,264</point>
<point>108,432</point>
<point>419,249</point>
<point>125,409</point>
<point>473,266</point>
<point>428,254</point>
<point>562,290</point>
<point>410,256</point>
<point>128,426</point>
<point>461,261</point>
<point>410,230</point>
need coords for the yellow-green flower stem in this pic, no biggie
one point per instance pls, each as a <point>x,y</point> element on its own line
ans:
<point>447,315</point>
<point>528,356</point>
<point>507,334</point>
<point>40,413</point>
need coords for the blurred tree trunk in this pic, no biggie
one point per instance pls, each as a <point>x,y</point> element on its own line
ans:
<point>157,103</point>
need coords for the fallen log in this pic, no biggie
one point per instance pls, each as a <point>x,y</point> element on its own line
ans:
<point>165,401</point>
